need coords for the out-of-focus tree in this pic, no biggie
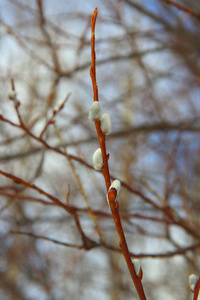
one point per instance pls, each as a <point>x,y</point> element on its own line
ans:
<point>57,236</point>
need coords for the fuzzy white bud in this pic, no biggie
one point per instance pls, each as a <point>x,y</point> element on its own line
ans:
<point>116,184</point>
<point>193,279</point>
<point>95,111</point>
<point>59,105</point>
<point>106,124</point>
<point>137,266</point>
<point>12,95</point>
<point>97,159</point>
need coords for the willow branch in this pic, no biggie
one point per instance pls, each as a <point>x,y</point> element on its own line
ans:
<point>113,204</point>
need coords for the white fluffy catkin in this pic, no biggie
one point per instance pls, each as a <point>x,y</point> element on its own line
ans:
<point>106,124</point>
<point>95,111</point>
<point>136,264</point>
<point>97,159</point>
<point>12,95</point>
<point>59,105</point>
<point>116,184</point>
<point>193,281</point>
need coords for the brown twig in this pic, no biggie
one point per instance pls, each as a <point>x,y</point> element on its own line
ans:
<point>183,8</point>
<point>196,292</point>
<point>73,168</point>
<point>15,196</point>
<point>114,206</point>
<point>112,194</point>
<point>44,31</point>
<point>92,244</point>
<point>47,239</point>
<point>87,243</point>
<point>101,135</point>
<point>34,187</point>
<point>93,55</point>
<point>40,140</point>
<point>54,113</point>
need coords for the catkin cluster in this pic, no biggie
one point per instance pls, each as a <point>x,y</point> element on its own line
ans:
<point>105,121</point>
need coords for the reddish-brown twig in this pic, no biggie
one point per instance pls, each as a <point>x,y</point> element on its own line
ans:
<point>87,243</point>
<point>34,187</point>
<point>196,292</point>
<point>42,141</point>
<point>101,135</point>
<point>14,196</point>
<point>112,193</point>
<point>92,244</point>
<point>56,110</point>
<point>183,8</point>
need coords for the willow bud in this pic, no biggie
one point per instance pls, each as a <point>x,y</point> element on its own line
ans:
<point>98,159</point>
<point>106,124</point>
<point>95,111</point>
<point>136,264</point>
<point>59,105</point>
<point>193,279</point>
<point>116,184</point>
<point>12,95</point>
